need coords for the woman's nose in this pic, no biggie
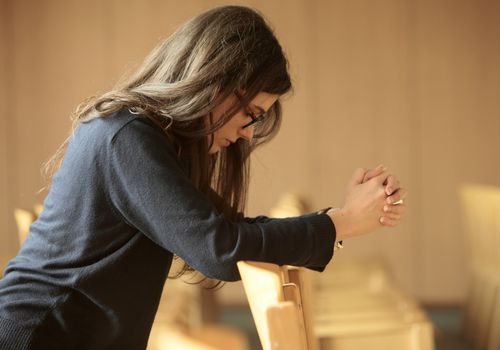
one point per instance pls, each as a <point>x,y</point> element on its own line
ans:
<point>247,133</point>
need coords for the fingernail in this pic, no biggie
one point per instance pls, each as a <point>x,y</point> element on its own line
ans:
<point>381,220</point>
<point>386,208</point>
<point>389,200</point>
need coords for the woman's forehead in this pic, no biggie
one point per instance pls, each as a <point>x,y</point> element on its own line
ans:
<point>263,101</point>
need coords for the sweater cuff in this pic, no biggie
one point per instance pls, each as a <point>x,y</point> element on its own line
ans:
<point>14,336</point>
<point>324,240</point>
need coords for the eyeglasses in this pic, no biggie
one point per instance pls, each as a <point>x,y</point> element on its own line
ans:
<point>250,114</point>
<point>254,120</point>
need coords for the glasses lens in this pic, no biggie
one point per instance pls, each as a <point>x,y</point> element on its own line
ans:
<point>255,120</point>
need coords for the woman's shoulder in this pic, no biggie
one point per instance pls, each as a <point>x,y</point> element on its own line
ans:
<point>111,125</point>
<point>123,132</point>
<point>104,130</point>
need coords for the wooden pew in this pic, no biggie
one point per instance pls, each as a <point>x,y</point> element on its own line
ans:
<point>207,337</point>
<point>181,322</point>
<point>24,218</point>
<point>494,334</point>
<point>358,307</point>
<point>280,301</point>
<point>355,307</point>
<point>3,265</point>
<point>481,209</point>
<point>277,305</point>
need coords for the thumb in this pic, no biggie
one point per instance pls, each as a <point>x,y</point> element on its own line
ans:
<point>370,174</point>
<point>357,177</point>
<point>382,177</point>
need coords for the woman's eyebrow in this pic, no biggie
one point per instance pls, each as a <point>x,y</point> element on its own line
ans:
<point>259,108</point>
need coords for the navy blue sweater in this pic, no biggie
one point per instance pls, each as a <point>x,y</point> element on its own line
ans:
<point>92,269</point>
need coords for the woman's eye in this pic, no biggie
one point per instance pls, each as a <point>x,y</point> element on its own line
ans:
<point>251,115</point>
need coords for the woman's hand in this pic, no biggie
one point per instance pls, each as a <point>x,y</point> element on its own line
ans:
<point>395,194</point>
<point>363,206</point>
<point>369,202</point>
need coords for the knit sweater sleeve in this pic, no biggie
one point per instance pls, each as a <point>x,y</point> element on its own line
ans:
<point>241,216</point>
<point>149,189</point>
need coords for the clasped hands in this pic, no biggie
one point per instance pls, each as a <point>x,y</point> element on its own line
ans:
<point>373,199</point>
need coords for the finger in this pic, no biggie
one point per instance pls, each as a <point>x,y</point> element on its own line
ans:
<point>392,216</point>
<point>388,222</point>
<point>398,209</point>
<point>397,196</point>
<point>357,177</point>
<point>381,177</point>
<point>392,185</point>
<point>370,174</point>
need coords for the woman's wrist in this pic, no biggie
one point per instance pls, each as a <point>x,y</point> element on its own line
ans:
<point>340,221</point>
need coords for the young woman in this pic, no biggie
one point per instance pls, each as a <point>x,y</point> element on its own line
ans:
<point>159,166</point>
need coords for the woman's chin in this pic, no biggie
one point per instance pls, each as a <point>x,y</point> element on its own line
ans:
<point>214,149</point>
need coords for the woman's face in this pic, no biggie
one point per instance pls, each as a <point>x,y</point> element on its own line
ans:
<point>230,132</point>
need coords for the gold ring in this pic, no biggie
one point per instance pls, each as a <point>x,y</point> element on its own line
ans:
<point>398,202</point>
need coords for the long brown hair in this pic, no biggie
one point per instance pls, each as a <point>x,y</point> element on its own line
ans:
<point>223,50</point>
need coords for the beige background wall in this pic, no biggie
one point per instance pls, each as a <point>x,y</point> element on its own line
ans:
<point>411,84</point>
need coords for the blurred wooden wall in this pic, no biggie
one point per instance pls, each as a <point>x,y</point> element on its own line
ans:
<point>411,84</point>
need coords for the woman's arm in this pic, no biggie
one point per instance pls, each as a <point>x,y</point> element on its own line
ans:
<point>150,191</point>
